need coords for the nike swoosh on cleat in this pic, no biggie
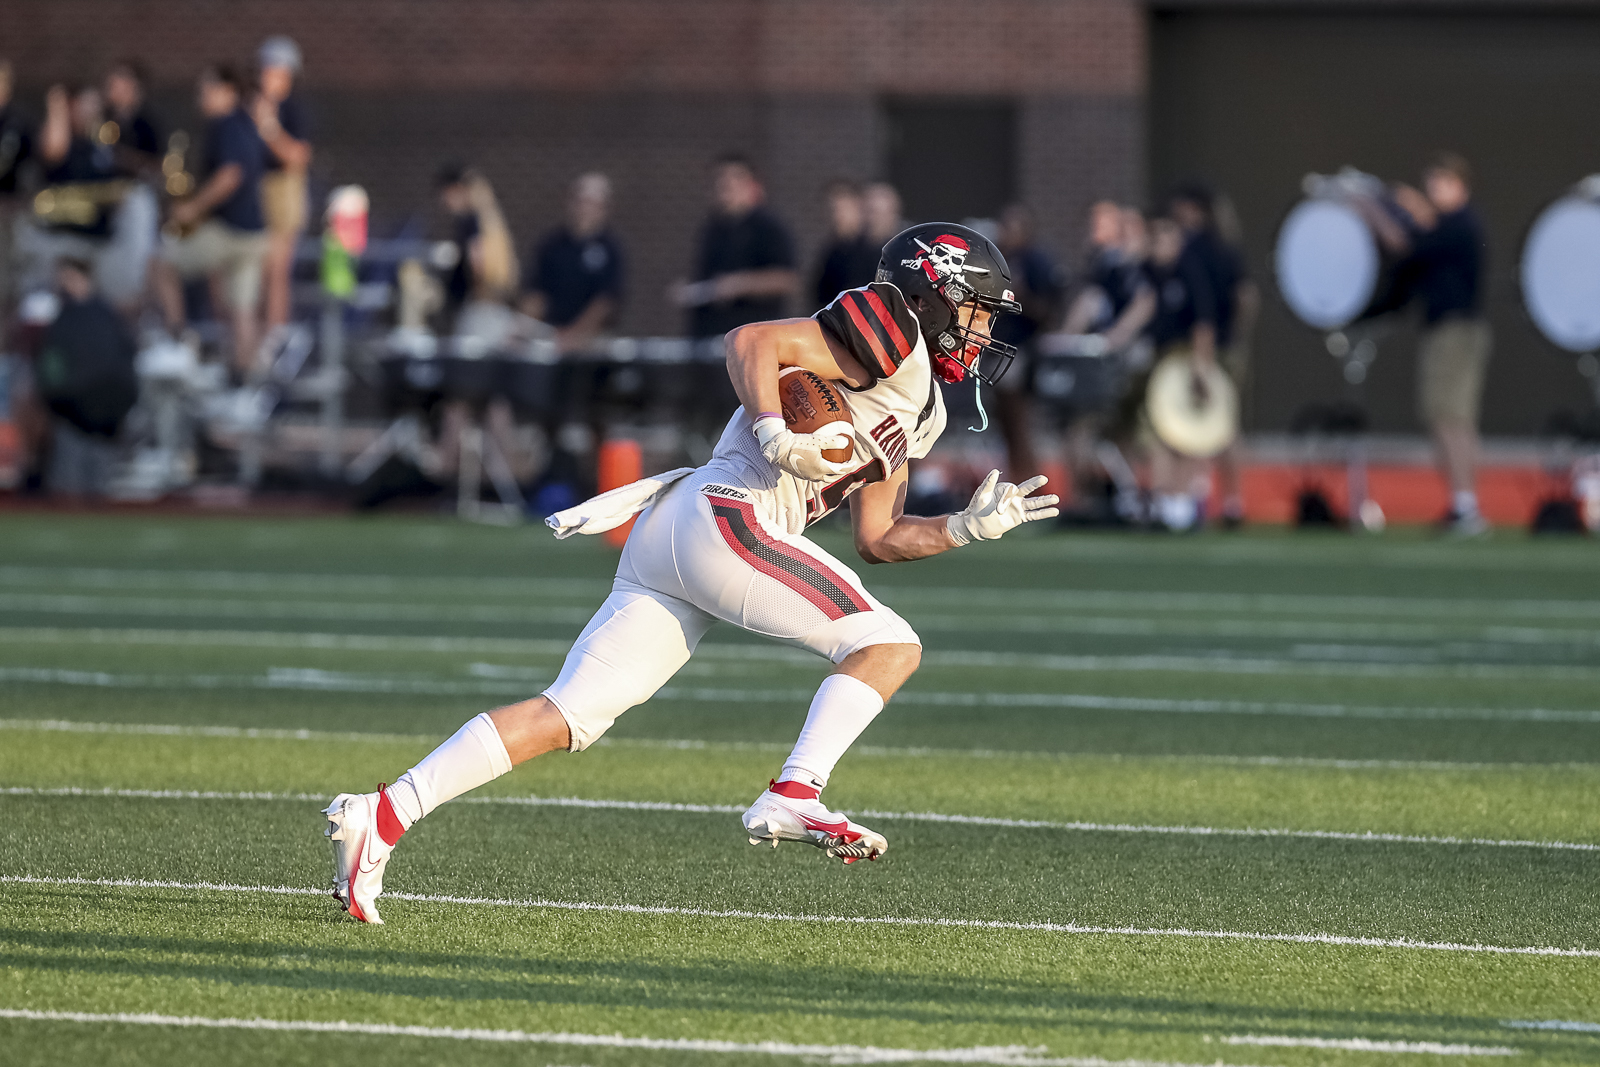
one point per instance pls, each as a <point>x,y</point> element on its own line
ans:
<point>834,829</point>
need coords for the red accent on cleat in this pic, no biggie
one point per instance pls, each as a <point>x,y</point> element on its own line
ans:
<point>794,790</point>
<point>389,828</point>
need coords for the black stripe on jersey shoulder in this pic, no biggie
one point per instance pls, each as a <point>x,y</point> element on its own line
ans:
<point>874,325</point>
<point>901,322</point>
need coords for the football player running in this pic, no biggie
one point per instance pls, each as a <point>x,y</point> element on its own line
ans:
<point>726,542</point>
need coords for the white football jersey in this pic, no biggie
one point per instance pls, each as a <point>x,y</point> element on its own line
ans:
<point>898,417</point>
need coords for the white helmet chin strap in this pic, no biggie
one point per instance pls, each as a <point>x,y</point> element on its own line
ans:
<point>977,394</point>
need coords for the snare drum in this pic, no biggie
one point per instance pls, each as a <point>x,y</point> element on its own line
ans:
<point>1560,270</point>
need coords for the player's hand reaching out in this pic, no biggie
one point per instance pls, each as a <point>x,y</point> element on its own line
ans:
<point>1000,506</point>
<point>801,453</point>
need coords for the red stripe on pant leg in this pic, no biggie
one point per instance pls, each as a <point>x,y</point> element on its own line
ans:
<point>786,549</point>
<point>793,581</point>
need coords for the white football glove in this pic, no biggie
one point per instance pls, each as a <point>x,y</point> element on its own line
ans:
<point>998,508</point>
<point>801,453</point>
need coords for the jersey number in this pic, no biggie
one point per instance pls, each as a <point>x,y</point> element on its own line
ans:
<point>834,495</point>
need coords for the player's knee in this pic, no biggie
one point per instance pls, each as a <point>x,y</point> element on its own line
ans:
<point>888,665</point>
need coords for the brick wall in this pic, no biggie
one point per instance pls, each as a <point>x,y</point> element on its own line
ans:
<point>535,91</point>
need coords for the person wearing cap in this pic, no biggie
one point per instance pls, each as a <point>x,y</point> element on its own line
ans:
<point>280,118</point>
<point>217,231</point>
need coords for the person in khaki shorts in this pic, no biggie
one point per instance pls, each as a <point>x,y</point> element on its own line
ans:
<point>1444,249</point>
<point>219,230</point>
<point>281,120</point>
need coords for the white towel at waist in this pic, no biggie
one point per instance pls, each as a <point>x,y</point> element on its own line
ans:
<point>611,509</point>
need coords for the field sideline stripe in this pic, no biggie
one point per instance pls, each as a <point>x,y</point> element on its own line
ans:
<point>1003,1055</point>
<point>1369,837</point>
<point>846,920</point>
<point>300,678</point>
<point>694,745</point>
<point>1363,1044</point>
<point>745,652</point>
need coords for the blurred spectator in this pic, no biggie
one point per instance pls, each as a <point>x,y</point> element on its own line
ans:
<point>280,118</point>
<point>850,259</point>
<point>86,210</point>
<point>1114,276</point>
<point>1185,324</point>
<point>880,207</point>
<point>1038,284</point>
<point>745,270</point>
<point>1444,249</point>
<point>1115,302</point>
<point>219,230</point>
<point>16,150</point>
<point>85,375</point>
<point>1194,207</point>
<point>576,284</point>
<point>134,136</point>
<point>483,274</point>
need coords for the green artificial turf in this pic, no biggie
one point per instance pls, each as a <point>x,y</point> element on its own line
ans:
<point>1132,686</point>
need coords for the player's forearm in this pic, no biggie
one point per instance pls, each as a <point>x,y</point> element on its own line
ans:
<point>911,537</point>
<point>753,369</point>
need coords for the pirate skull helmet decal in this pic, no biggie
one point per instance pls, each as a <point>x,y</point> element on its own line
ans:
<point>945,260</point>
<point>939,267</point>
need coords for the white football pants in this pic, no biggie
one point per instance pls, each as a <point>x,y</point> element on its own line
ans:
<point>702,552</point>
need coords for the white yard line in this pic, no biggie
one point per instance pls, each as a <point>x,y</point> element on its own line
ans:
<point>845,920</point>
<point>1553,1024</point>
<point>1362,1044</point>
<point>876,751</point>
<point>766,653</point>
<point>491,681</point>
<point>1004,1055</point>
<point>1366,837</point>
<point>984,596</point>
<point>1068,620</point>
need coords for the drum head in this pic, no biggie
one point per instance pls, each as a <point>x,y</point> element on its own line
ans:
<point>1327,263</point>
<point>1561,274</point>
<point>1184,423</point>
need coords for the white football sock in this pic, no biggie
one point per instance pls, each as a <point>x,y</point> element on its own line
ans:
<point>473,755</point>
<point>1466,502</point>
<point>839,712</point>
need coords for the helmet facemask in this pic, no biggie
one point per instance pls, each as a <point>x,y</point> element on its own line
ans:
<point>967,349</point>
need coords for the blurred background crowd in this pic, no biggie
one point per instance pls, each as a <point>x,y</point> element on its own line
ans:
<point>201,303</point>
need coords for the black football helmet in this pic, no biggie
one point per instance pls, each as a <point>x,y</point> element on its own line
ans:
<point>938,267</point>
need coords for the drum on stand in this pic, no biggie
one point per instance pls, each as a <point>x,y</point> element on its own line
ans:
<point>1327,264</point>
<point>1078,371</point>
<point>1560,270</point>
<point>1334,274</point>
<point>1195,420</point>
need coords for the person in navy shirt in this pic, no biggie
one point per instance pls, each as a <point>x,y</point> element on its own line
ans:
<point>219,229</point>
<point>1443,246</point>
<point>576,281</point>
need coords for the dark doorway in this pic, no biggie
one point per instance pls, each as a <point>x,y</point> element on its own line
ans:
<point>952,159</point>
<point>1254,100</point>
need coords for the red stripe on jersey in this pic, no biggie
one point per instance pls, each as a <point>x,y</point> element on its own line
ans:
<point>901,345</point>
<point>737,522</point>
<point>885,365</point>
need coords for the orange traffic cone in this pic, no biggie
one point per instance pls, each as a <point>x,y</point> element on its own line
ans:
<point>621,462</point>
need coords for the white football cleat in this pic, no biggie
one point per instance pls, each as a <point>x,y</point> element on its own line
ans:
<point>359,854</point>
<point>774,817</point>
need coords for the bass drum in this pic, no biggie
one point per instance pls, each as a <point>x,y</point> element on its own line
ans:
<point>1329,265</point>
<point>1561,270</point>
<point>1191,422</point>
